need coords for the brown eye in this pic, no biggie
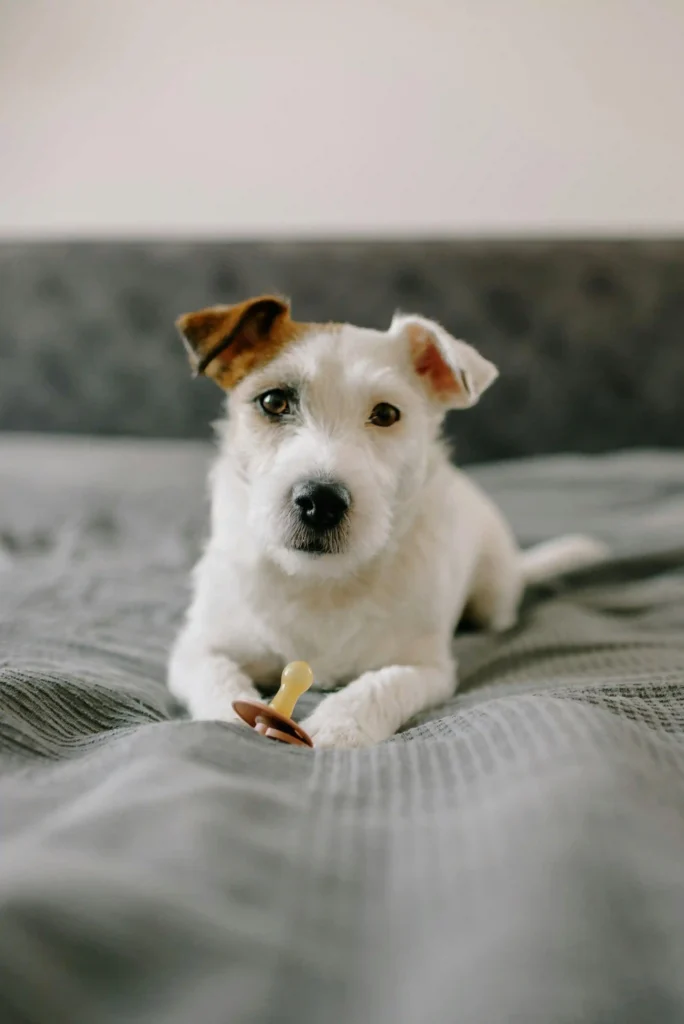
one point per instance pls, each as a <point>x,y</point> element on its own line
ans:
<point>384,415</point>
<point>275,402</point>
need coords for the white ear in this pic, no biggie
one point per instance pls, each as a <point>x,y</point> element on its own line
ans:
<point>453,373</point>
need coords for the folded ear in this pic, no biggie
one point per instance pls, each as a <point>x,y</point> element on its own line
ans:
<point>453,373</point>
<point>228,342</point>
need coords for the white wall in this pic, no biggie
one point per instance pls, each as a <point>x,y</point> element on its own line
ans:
<point>336,116</point>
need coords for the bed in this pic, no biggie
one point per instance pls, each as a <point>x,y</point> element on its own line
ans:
<point>514,855</point>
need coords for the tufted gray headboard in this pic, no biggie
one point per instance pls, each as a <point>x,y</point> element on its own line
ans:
<point>589,336</point>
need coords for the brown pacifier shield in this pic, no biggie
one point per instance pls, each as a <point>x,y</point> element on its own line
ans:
<point>271,724</point>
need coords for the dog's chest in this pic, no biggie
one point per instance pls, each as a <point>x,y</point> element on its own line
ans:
<point>339,638</point>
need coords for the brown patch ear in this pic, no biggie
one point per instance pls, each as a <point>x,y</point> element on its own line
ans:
<point>453,373</point>
<point>228,342</point>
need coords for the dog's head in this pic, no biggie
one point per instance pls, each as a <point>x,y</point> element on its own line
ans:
<point>331,426</point>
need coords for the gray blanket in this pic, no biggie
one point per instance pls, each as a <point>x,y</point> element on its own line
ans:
<point>515,856</point>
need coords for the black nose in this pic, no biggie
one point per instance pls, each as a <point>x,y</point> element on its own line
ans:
<point>321,506</point>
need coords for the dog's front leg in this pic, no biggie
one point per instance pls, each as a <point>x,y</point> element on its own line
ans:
<point>207,682</point>
<point>375,705</point>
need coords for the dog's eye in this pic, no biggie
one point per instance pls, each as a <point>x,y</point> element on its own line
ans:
<point>384,415</point>
<point>275,402</point>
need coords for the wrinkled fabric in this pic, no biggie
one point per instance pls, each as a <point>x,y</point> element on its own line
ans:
<point>516,855</point>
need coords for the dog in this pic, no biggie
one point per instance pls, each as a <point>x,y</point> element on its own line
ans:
<point>341,533</point>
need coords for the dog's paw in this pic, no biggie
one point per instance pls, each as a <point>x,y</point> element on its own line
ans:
<point>335,727</point>
<point>229,715</point>
<point>341,733</point>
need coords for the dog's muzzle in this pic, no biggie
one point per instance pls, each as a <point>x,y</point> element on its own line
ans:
<point>320,509</point>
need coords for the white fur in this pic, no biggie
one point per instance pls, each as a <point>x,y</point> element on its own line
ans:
<point>423,541</point>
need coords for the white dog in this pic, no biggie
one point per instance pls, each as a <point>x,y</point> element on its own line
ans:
<point>341,534</point>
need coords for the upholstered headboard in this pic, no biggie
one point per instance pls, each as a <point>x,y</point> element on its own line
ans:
<point>589,336</point>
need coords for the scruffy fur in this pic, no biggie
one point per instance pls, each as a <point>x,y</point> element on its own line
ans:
<point>373,613</point>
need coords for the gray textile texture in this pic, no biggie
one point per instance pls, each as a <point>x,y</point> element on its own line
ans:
<point>516,858</point>
<point>588,335</point>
